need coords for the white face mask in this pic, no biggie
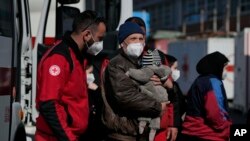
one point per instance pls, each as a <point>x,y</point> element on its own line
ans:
<point>135,49</point>
<point>175,74</point>
<point>90,78</point>
<point>95,48</point>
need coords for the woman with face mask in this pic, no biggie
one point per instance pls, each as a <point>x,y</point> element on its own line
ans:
<point>176,94</point>
<point>207,117</point>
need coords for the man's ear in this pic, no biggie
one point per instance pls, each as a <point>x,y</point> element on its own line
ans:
<point>86,35</point>
<point>123,44</point>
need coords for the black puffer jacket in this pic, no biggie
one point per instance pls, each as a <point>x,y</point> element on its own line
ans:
<point>124,102</point>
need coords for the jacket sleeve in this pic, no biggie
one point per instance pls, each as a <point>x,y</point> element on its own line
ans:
<point>179,105</point>
<point>128,96</point>
<point>54,71</point>
<point>170,113</point>
<point>176,106</point>
<point>214,115</point>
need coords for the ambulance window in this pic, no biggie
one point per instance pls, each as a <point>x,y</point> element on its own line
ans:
<point>27,13</point>
<point>64,19</point>
<point>110,9</point>
<point>5,18</point>
<point>18,21</point>
<point>6,33</point>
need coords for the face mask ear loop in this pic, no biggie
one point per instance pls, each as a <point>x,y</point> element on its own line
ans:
<point>122,44</point>
<point>92,37</point>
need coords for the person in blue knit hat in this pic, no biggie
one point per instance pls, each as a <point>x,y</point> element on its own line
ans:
<point>131,39</point>
<point>123,100</point>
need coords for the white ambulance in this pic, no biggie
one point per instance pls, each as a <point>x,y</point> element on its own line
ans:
<point>48,20</point>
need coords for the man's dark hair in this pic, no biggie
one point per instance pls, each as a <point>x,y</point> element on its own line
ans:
<point>137,20</point>
<point>86,20</point>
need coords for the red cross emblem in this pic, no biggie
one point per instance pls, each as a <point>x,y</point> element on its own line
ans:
<point>54,70</point>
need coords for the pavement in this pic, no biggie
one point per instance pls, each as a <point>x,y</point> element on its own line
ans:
<point>237,116</point>
<point>239,124</point>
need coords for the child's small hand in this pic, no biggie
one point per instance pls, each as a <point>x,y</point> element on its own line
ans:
<point>168,84</point>
<point>156,80</point>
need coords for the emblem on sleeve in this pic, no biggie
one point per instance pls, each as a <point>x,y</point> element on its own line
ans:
<point>54,70</point>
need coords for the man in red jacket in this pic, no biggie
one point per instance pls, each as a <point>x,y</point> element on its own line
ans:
<point>62,99</point>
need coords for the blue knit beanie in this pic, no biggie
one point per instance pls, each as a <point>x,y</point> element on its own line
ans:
<point>127,29</point>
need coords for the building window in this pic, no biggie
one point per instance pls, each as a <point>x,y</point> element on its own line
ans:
<point>192,11</point>
<point>245,6</point>
<point>210,6</point>
<point>191,6</point>
<point>153,17</point>
<point>221,9</point>
<point>167,15</point>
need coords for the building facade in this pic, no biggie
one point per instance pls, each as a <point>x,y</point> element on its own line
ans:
<point>196,16</point>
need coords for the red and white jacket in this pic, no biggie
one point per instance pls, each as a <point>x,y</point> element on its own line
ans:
<point>62,99</point>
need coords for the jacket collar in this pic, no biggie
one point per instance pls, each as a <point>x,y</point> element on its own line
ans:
<point>72,44</point>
